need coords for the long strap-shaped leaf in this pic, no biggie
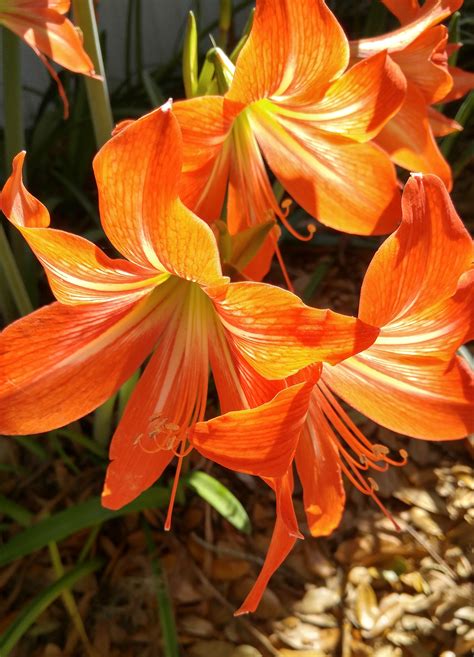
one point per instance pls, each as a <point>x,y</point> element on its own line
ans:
<point>68,522</point>
<point>30,613</point>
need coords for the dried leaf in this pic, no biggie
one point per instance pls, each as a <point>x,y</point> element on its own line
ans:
<point>366,607</point>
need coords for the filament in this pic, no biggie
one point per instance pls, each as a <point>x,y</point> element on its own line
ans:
<point>350,441</point>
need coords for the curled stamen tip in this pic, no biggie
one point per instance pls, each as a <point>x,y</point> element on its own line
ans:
<point>286,204</point>
<point>380,450</point>
<point>312,229</point>
<point>170,426</point>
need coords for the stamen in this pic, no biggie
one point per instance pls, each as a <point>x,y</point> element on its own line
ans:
<point>283,268</point>
<point>181,455</point>
<point>285,205</point>
<point>369,455</point>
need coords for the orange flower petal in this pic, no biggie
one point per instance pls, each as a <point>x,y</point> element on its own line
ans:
<point>167,401</point>
<point>250,197</point>
<point>143,218</point>
<point>238,384</point>
<point>409,141</point>
<point>59,363</point>
<point>260,441</point>
<point>425,63</point>
<point>359,103</point>
<point>294,50</point>
<point>421,263</point>
<point>404,10</point>
<point>418,398</point>
<point>442,125</point>
<point>325,173</point>
<point>431,13</point>
<point>281,544</point>
<point>318,468</point>
<point>278,335</point>
<point>205,123</point>
<point>47,30</point>
<point>77,270</point>
<point>463,82</point>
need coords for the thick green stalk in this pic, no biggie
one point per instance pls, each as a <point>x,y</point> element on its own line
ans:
<point>97,92</point>
<point>14,143</point>
<point>14,133</point>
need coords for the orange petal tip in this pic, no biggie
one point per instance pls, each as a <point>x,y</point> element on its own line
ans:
<point>106,491</point>
<point>168,106</point>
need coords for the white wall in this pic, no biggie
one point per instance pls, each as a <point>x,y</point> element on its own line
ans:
<point>162,25</point>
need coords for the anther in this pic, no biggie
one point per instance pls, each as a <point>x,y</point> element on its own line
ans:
<point>373,484</point>
<point>380,450</point>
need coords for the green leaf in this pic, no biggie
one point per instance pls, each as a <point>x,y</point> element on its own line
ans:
<point>220,498</point>
<point>70,521</point>
<point>163,598</point>
<point>190,57</point>
<point>316,279</point>
<point>247,243</point>
<point>243,39</point>
<point>18,513</point>
<point>463,116</point>
<point>30,613</point>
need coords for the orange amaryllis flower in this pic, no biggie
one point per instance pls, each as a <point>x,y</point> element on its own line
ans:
<point>169,298</point>
<point>421,50</point>
<point>419,289</point>
<point>291,102</point>
<point>42,24</point>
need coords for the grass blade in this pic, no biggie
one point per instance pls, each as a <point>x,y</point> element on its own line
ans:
<point>68,522</point>
<point>463,116</point>
<point>163,598</point>
<point>30,613</point>
<point>220,498</point>
<point>14,511</point>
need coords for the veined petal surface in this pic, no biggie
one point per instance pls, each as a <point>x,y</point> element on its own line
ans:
<point>344,184</point>
<point>137,174</point>
<point>420,398</point>
<point>61,362</point>
<point>317,463</point>
<point>431,13</point>
<point>205,124</point>
<point>167,401</point>
<point>281,544</point>
<point>358,104</point>
<point>409,141</point>
<point>442,125</point>
<point>279,335</point>
<point>294,50</point>
<point>421,263</point>
<point>463,82</point>
<point>425,63</point>
<point>259,441</point>
<point>48,31</point>
<point>77,270</point>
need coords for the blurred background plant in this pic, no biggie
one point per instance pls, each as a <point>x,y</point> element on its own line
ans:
<point>89,564</point>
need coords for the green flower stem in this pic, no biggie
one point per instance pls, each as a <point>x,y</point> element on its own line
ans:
<point>97,92</point>
<point>13,276</point>
<point>14,133</point>
<point>463,116</point>
<point>14,143</point>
